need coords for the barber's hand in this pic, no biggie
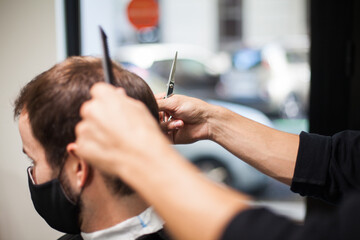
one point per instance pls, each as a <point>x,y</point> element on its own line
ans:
<point>116,130</point>
<point>118,135</point>
<point>189,118</point>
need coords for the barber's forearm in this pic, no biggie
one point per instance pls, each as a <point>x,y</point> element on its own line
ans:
<point>271,151</point>
<point>192,206</point>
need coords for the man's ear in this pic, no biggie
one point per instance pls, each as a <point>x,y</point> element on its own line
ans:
<point>77,166</point>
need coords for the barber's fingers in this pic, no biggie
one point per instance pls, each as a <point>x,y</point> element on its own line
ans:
<point>86,109</point>
<point>169,105</point>
<point>160,95</point>
<point>84,140</point>
<point>103,92</point>
<point>101,89</point>
<point>167,111</point>
<point>163,116</point>
<point>121,91</point>
<point>172,125</point>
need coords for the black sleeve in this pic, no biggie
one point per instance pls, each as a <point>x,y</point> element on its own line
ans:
<point>327,167</point>
<point>71,237</point>
<point>262,224</point>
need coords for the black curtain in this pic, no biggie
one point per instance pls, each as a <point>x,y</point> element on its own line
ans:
<point>335,72</point>
<point>72,27</point>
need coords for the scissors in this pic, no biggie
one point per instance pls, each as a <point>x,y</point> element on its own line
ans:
<point>171,82</point>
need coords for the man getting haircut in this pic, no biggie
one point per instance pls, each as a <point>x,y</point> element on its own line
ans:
<point>66,191</point>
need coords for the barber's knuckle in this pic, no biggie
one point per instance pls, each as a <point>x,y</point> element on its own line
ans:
<point>79,128</point>
<point>94,89</point>
<point>85,109</point>
<point>121,90</point>
<point>98,88</point>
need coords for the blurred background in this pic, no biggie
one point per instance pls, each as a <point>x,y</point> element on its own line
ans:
<point>251,56</point>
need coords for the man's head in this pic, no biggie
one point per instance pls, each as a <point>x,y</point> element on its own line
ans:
<point>48,111</point>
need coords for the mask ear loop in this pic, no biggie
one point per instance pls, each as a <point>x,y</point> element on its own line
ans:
<point>61,169</point>
<point>30,174</point>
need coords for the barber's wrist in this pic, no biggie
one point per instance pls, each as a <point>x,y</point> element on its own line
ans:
<point>215,119</point>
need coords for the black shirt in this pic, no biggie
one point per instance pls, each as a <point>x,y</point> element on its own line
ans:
<point>327,168</point>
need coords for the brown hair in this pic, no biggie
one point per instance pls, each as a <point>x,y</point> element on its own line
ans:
<point>53,99</point>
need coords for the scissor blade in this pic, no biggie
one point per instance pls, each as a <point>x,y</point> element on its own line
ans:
<point>171,82</point>
<point>109,75</point>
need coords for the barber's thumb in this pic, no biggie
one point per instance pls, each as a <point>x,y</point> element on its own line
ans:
<point>166,104</point>
<point>159,96</point>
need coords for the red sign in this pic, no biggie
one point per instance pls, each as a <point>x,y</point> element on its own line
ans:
<point>143,13</point>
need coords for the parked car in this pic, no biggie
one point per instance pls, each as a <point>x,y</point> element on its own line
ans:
<point>272,79</point>
<point>197,70</point>
<point>222,166</point>
<point>212,159</point>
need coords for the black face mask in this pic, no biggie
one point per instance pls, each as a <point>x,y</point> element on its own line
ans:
<point>54,206</point>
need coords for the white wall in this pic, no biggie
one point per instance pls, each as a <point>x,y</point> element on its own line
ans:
<point>27,47</point>
<point>181,21</point>
<point>269,20</point>
<point>189,21</point>
<point>95,13</point>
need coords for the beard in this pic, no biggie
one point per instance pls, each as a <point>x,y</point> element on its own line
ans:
<point>71,193</point>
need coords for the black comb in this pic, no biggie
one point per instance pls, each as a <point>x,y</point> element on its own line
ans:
<point>108,72</point>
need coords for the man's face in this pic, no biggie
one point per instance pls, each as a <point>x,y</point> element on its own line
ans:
<point>42,172</point>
